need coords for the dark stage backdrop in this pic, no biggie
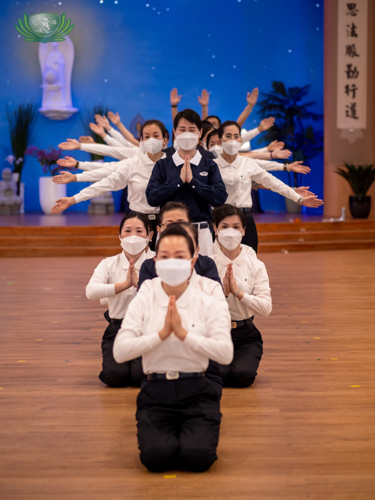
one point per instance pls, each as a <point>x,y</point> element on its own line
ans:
<point>130,53</point>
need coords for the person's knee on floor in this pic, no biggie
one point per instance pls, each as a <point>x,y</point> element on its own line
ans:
<point>115,376</point>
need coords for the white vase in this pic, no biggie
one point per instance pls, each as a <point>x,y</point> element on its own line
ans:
<point>49,192</point>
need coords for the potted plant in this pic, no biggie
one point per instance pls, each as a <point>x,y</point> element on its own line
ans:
<point>292,117</point>
<point>21,124</point>
<point>360,179</point>
<point>49,192</point>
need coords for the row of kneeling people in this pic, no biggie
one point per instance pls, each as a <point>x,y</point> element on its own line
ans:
<point>180,327</point>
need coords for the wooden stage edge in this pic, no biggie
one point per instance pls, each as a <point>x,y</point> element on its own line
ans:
<point>304,430</point>
<point>80,235</point>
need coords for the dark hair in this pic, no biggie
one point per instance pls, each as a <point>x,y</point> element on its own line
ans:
<point>214,116</point>
<point>193,228</point>
<point>133,215</point>
<point>211,134</point>
<point>206,127</point>
<point>190,115</point>
<point>227,124</point>
<point>173,205</point>
<point>176,230</point>
<point>219,213</point>
<point>158,123</point>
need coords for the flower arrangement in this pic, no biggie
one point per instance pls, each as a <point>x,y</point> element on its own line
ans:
<point>47,158</point>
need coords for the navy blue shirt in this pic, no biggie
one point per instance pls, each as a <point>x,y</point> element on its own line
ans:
<point>204,266</point>
<point>205,190</point>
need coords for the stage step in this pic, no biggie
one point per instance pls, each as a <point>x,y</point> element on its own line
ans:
<point>102,241</point>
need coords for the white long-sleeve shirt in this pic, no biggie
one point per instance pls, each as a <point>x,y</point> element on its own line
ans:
<point>97,174</point>
<point>120,153</point>
<point>252,278</point>
<point>202,317</point>
<point>120,138</point>
<point>110,271</point>
<point>135,173</point>
<point>238,177</point>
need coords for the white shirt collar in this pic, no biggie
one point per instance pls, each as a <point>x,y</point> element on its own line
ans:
<point>147,160</point>
<point>223,163</point>
<point>180,161</point>
<point>246,252</point>
<point>145,255</point>
<point>163,299</point>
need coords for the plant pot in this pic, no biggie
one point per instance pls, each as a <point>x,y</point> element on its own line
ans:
<point>360,206</point>
<point>49,192</point>
<point>292,207</point>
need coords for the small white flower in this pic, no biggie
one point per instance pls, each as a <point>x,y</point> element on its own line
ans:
<point>19,161</point>
<point>10,159</point>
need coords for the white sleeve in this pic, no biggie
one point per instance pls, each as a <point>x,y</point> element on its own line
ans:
<point>105,150</point>
<point>270,166</point>
<point>98,174</point>
<point>260,301</point>
<point>98,286</point>
<point>218,346</point>
<point>111,141</point>
<point>90,165</point>
<point>269,181</point>
<point>247,136</point>
<point>129,342</point>
<point>120,138</point>
<point>114,182</point>
<point>261,150</point>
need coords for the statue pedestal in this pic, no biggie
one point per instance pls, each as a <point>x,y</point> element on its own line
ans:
<point>57,114</point>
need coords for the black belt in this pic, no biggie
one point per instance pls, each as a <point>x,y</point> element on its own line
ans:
<point>149,216</point>
<point>244,322</point>
<point>201,225</point>
<point>116,321</point>
<point>174,375</point>
<point>246,210</point>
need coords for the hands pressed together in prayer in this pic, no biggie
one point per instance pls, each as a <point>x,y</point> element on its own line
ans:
<point>186,174</point>
<point>230,284</point>
<point>172,323</point>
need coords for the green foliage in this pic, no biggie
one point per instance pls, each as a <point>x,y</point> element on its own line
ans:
<point>88,116</point>
<point>290,113</point>
<point>21,124</point>
<point>360,178</point>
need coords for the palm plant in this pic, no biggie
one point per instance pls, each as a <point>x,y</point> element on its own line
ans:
<point>290,123</point>
<point>21,124</point>
<point>360,178</point>
<point>88,116</point>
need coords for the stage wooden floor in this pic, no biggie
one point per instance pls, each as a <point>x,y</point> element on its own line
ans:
<point>306,429</point>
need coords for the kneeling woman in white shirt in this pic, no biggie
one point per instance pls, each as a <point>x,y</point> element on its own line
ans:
<point>115,280</point>
<point>246,287</point>
<point>176,328</point>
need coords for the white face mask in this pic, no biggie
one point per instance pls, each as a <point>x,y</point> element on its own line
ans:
<point>133,244</point>
<point>216,150</point>
<point>231,147</point>
<point>230,238</point>
<point>173,272</point>
<point>187,141</point>
<point>153,146</point>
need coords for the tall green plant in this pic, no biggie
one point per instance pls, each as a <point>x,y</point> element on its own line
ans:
<point>291,112</point>
<point>21,125</point>
<point>360,178</point>
<point>87,116</point>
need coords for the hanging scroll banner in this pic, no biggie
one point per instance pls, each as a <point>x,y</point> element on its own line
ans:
<point>352,64</point>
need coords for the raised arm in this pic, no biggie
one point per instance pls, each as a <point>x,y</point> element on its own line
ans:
<point>204,99</point>
<point>127,135</point>
<point>175,99</point>
<point>251,99</point>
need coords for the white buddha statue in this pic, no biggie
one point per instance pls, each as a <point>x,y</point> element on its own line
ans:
<point>56,63</point>
<point>9,200</point>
